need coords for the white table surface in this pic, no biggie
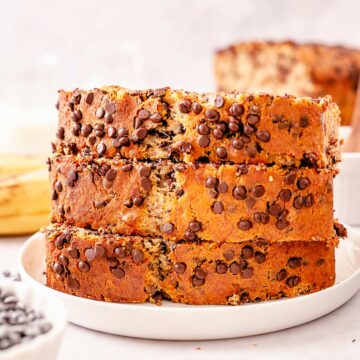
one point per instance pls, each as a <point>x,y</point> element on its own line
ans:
<point>335,336</point>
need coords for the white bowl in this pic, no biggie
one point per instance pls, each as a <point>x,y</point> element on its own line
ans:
<point>346,185</point>
<point>43,347</point>
<point>199,322</point>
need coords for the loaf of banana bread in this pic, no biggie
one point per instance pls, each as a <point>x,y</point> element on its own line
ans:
<point>286,67</point>
<point>188,126</point>
<point>118,268</point>
<point>211,202</point>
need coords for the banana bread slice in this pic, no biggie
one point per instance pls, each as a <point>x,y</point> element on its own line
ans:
<point>287,67</point>
<point>116,268</point>
<point>188,126</point>
<point>231,203</point>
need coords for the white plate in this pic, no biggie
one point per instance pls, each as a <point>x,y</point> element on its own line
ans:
<point>186,322</point>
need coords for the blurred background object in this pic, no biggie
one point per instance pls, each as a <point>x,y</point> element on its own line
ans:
<point>47,45</point>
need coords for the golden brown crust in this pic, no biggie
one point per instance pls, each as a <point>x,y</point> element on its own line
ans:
<point>170,124</point>
<point>85,263</point>
<point>203,201</point>
<point>287,67</point>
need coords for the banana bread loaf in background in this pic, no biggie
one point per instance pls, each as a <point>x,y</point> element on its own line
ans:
<point>118,268</point>
<point>188,126</point>
<point>290,68</point>
<point>210,202</point>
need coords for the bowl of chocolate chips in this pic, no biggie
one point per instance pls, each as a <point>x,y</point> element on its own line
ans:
<point>31,323</point>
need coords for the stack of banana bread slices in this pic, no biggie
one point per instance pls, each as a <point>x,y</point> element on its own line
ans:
<point>194,198</point>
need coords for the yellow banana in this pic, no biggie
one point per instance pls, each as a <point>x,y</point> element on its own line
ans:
<point>24,202</point>
<point>12,164</point>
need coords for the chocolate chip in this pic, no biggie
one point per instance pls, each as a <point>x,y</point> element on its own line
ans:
<point>167,228</point>
<point>118,273</point>
<point>100,113</point>
<point>57,105</point>
<point>248,129</point>
<point>222,187</point>
<point>123,132</point>
<point>244,225</point>
<point>247,273</point>
<point>309,200</point>
<point>304,122</point>
<point>221,152</point>
<point>293,281</point>
<point>242,169</point>
<point>120,252</point>
<point>99,130</point>
<point>108,118</point>
<point>247,252</point>
<point>111,175</point>
<point>204,141</point>
<point>211,182</point>
<point>137,256</point>
<point>127,167</point>
<point>298,202</point>
<point>73,283</point>
<point>83,266</point>
<point>146,183</point>
<point>190,235</point>
<point>143,114</point>
<point>90,254</point>
<point>218,134</point>
<point>76,116</point>
<point>180,268</point>
<point>197,282</point>
<point>285,195</point>
<point>139,134</point>
<point>57,268</point>
<point>235,268</point>
<point>89,98</point>
<point>340,230</point>
<point>212,115</point>
<point>196,108</point>
<point>221,268</point>
<point>258,191</point>
<point>236,109</point>
<point>263,135</point>
<point>60,133</point>
<point>137,200</point>
<point>86,130</point>
<point>203,129</point>
<point>237,144</point>
<point>252,119</point>
<point>282,224</point>
<point>99,251</point>
<point>112,261</point>
<point>195,226</point>
<point>239,192</point>
<point>156,118</point>
<point>76,99</point>
<point>185,106</point>
<point>290,178</point>
<point>259,257</point>
<point>294,262</point>
<point>144,171</point>
<point>185,147</point>
<point>275,210</point>
<point>320,262</point>
<point>63,260</point>
<point>261,218</point>
<point>251,150</point>
<point>234,126</point>
<point>281,275</point>
<point>101,149</point>
<point>229,254</point>
<point>218,207</point>
<point>219,101</point>
<point>302,183</point>
<point>73,252</point>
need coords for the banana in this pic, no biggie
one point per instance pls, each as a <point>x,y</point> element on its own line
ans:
<point>24,202</point>
<point>12,164</point>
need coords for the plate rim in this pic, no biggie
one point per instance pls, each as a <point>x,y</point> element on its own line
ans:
<point>178,307</point>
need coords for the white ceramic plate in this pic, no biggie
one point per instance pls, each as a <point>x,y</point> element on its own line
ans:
<point>187,322</point>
